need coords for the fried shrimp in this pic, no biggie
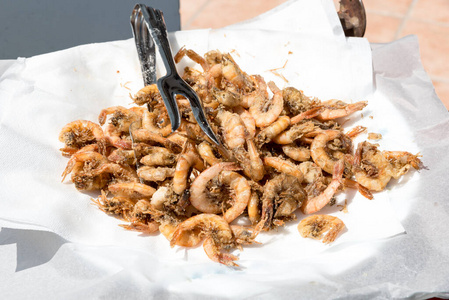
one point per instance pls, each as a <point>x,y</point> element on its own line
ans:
<point>148,94</point>
<point>294,133</point>
<point>83,161</point>
<point>78,134</point>
<point>198,191</point>
<point>120,207</point>
<point>282,195</point>
<point>186,162</point>
<point>328,147</point>
<point>296,153</point>
<point>131,190</point>
<point>253,208</point>
<point>402,161</point>
<point>233,128</point>
<point>334,109</point>
<point>216,231</point>
<point>158,156</point>
<point>281,155</point>
<point>155,173</point>
<point>119,172</point>
<point>268,133</point>
<point>284,166</point>
<point>319,227</point>
<point>315,204</point>
<point>247,119</point>
<point>266,111</point>
<point>206,152</point>
<point>241,192</point>
<point>156,122</point>
<point>121,118</point>
<point>373,170</point>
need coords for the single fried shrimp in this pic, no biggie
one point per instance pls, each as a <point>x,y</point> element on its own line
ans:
<point>272,130</point>
<point>308,114</point>
<point>158,156</point>
<point>232,73</point>
<point>294,133</point>
<point>334,109</point>
<point>258,94</point>
<point>186,162</point>
<point>145,228</point>
<point>155,173</point>
<point>402,161</point>
<point>315,204</point>
<point>247,119</point>
<point>119,172</point>
<point>214,228</point>
<point>206,152</point>
<point>198,190</point>
<point>144,135</point>
<point>284,166</point>
<point>141,218</point>
<point>156,122</point>
<point>233,128</point>
<point>373,170</point>
<point>193,56</point>
<point>131,190</point>
<point>121,118</point>
<point>329,146</point>
<point>121,156</point>
<point>254,208</point>
<point>120,207</point>
<point>250,161</point>
<point>319,227</point>
<point>266,111</point>
<point>296,153</point>
<point>148,94</point>
<point>257,169</point>
<point>296,102</point>
<point>240,193</point>
<point>114,137</point>
<point>83,161</point>
<point>80,133</point>
<point>212,250</point>
<point>282,195</point>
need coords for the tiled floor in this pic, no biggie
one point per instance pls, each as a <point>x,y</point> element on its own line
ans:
<point>387,20</point>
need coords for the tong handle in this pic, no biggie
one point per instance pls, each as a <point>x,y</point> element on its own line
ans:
<point>144,44</point>
<point>158,29</point>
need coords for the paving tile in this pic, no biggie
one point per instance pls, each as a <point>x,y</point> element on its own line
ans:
<point>442,90</point>
<point>432,10</point>
<point>188,9</point>
<point>219,13</point>
<point>380,28</point>
<point>433,44</point>
<point>390,7</point>
<point>396,8</point>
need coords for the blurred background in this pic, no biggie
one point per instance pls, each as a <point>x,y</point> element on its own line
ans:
<point>29,28</point>
<point>387,20</point>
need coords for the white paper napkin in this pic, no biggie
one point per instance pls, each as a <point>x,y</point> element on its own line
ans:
<point>41,94</point>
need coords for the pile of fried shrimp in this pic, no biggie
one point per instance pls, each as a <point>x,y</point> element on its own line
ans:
<point>282,153</point>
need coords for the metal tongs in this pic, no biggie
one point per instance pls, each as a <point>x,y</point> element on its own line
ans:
<point>149,29</point>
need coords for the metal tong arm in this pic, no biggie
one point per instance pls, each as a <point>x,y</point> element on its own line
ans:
<point>144,44</point>
<point>172,84</point>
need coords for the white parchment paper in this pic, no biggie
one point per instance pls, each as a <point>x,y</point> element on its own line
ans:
<point>92,258</point>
